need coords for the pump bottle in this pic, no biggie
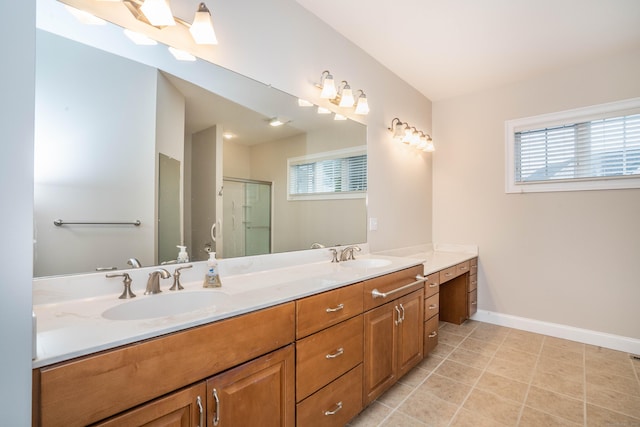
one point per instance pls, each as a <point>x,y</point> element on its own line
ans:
<point>212,278</point>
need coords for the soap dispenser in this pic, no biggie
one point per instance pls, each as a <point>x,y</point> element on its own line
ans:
<point>183,256</point>
<point>212,278</point>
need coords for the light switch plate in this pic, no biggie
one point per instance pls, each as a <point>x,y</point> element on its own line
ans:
<point>373,224</point>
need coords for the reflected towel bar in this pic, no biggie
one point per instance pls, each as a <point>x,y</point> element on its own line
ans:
<point>60,222</point>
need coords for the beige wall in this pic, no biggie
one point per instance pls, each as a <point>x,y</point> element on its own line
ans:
<point>569,258</point>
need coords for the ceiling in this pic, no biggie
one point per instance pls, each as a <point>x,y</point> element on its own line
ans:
<point>447,48</point>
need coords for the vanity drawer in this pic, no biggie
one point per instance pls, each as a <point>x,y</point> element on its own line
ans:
<point>320,311</point>
<point>447,274</point>
<point>462,268</point>
<point>430,334</point>
<point>389,284</point>
<point>324,356</point>
<point>431,306</point>
<point>473,266</point>
<point>432,284</point>
<point>472,305</point>
<point>473,282</point>
<point>335,404</point>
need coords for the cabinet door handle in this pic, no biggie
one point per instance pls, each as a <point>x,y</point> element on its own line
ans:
<point>337,308</point>
<point>448,274</point>
<point>333,412</point>
<point>397,322</point>
<point>377,294</point>
<point>216,415</point>
<point>433,306</point>
<point>336,354</point>
<point>433,334</point>
<point>201,412</point>
<point>402,318</point>
<point>474,303</point>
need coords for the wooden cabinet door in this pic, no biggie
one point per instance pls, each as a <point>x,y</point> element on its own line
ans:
<point>380,337</point>
<point>184,408</point>
<point>410,332</point>
<point>258,393</point>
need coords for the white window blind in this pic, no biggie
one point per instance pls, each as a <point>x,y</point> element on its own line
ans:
<point>593,148</point>
<point>329,175</point>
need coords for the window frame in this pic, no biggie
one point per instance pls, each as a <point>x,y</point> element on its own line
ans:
<point>594,112</point>
<point>327,155</point>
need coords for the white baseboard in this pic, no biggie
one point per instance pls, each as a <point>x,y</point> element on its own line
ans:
<point>586,336</point>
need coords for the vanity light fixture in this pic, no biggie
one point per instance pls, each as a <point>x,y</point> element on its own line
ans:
<point>328,86</point>
<point>346,95</point>
<point>158,13</point>
<point>362,106</point>
<point>403,132</point>
<point>278,121</point>
<point>85,17</point>
<point>202,27</point>
<point>139,39</point>
<point>181,55</point>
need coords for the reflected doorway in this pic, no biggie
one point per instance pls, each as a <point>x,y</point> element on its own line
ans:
<point>246,208</point>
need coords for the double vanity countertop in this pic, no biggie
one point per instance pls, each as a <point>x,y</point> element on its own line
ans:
<point>75,313</point>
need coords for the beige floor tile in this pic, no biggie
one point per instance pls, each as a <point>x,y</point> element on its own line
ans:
<point>594,352</point>
<point>613,400</point>
<point>449,338</point>
<point>564,355</point>
<point>561,369</point>
<point>493,407</point>
<point>428,409</point>
<point>556,404</point>
<point>558,384</point>
<point>445,388</point>
<point>395,395</point>
<point>564,344</point>
<point>442,350</point>
<point>398,419</point>
<point>465,418</point>
<point>464,329</point>
<point>628,385</point>
<point>503,387</point>
<point>604,366</point>
<point>514,370</point>
<point>535,418</point>
<point>527,344</point>
<point>414,377</point>
<point>459,372</point>
<point>514,355</point>
<point>469,358</point>
<point>599,417</point>
<point>481,347</point>
<point>496,336</point>
<point>430,362</point>
<point>372,416</point>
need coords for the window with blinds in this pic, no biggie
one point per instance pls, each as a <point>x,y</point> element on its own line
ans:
<point>594,148</point>
<point>329,175</point>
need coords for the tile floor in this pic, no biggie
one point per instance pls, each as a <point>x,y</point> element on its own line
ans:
<point>487,375</point>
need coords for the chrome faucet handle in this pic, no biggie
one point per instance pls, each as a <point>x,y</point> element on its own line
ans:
<point>176,278</point>
<point>334,255</point>
<point>126,293</point>
<point>153,284</point>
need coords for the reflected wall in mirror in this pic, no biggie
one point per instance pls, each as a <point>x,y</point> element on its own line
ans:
<point>126,133</point>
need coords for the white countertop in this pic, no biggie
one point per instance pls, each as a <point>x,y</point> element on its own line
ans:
<point>69,310</point>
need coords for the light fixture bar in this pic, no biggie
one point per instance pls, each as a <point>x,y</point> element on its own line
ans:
<point>410,135</point>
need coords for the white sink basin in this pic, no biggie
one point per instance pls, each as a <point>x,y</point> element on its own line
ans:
<point>165,304</point>
<point>366,263</point>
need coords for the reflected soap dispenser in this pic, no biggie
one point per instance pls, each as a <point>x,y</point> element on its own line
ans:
<point>183,256</point>
<point>212,278</point>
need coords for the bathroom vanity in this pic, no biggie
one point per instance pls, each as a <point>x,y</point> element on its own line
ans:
<point>317,358</point>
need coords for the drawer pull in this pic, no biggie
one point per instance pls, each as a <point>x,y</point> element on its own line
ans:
<point>335,411</point>
<point>216,416</point>
<point>448,274</point>
<point>336,354</point>
<point>402,318</point>
<point>433,285</point>
<point>333,310</point>
<point>474,303</point>
<point>397,322</point>
<point>462,268</point>
<point>377,294</point>
<point>433,306</point>
<point>433,334</point>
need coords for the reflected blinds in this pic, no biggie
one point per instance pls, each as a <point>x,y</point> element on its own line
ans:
<point>340,175</point>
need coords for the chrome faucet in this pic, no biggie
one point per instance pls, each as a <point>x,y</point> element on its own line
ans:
<point>347,253</point>
<point>134,263</point>
<point>153,284</point>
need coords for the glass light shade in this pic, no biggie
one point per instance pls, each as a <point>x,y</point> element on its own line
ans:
<point>139,39</point>
<point>407,135</point>
<point>328,88</point>
<point>322,110</point>
<point>429,148</point>
<point>202,27</point>
<point>339,117</point>
<point>346,97</point>
<point>181,55</point>
<point>362,107</point>
<point>398,132</point>
<point>158,13</point>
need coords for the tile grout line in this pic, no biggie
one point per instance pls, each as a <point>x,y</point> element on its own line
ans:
<point>422,382</point>
<point>533,373</point>
<point>584,383</point>
<point>479,376</point>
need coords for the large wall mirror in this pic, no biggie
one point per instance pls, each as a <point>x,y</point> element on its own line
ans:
<point>126,133</point>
